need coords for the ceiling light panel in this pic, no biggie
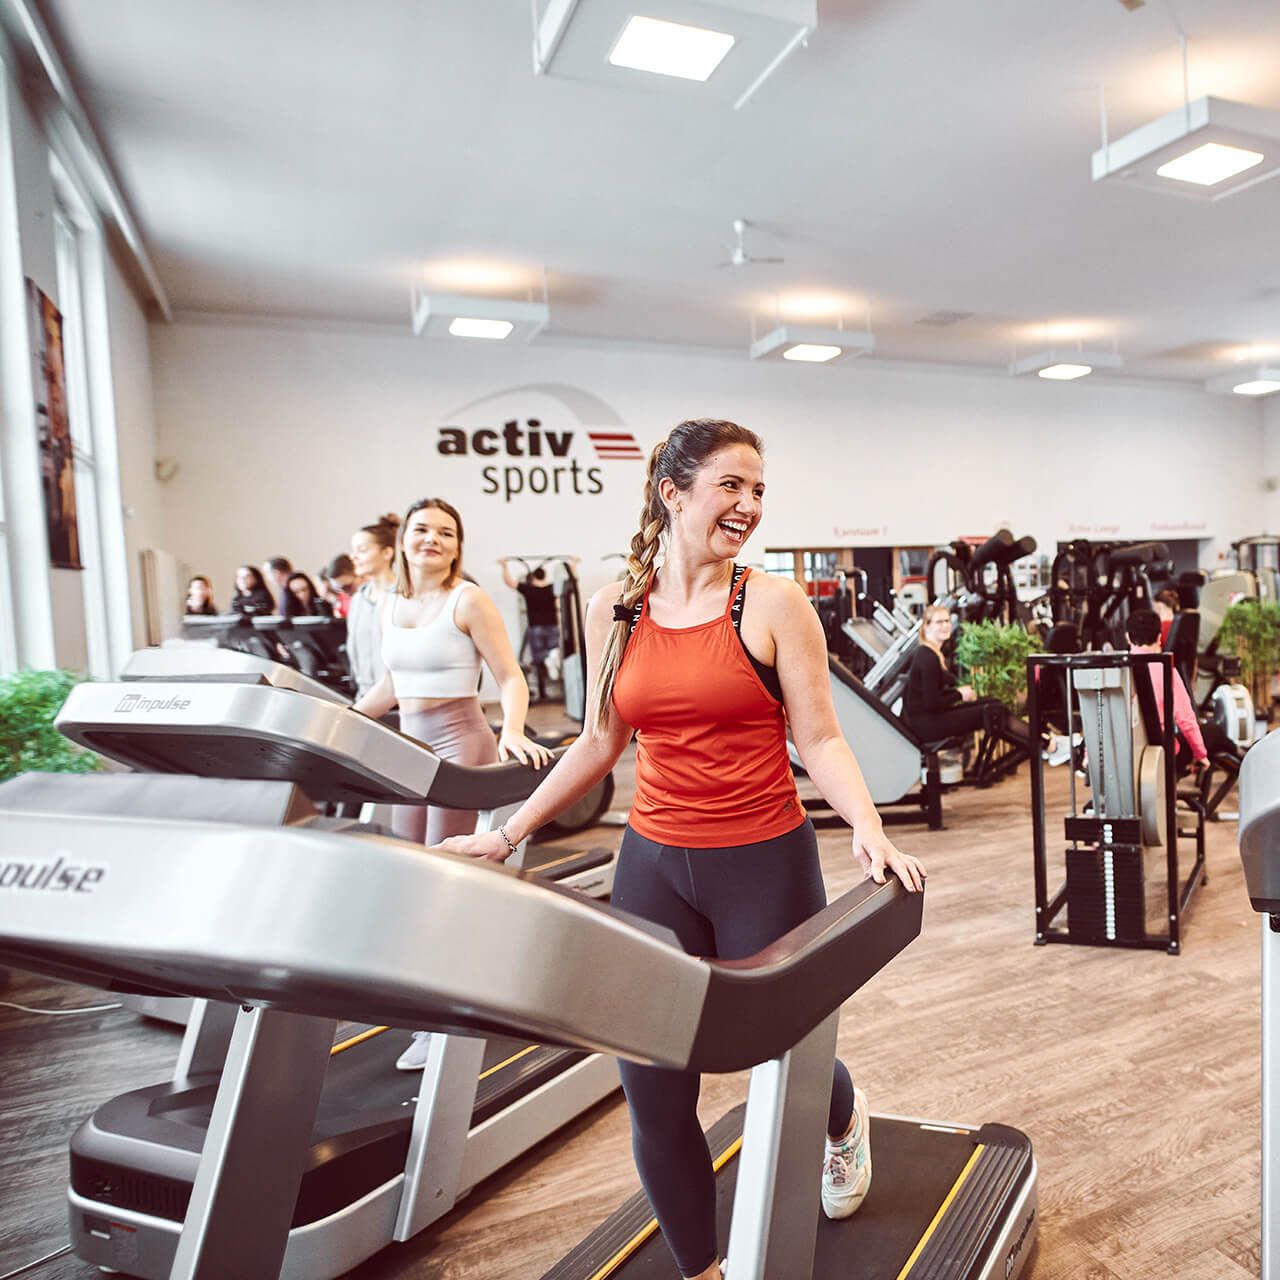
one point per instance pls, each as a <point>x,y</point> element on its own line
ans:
<point>670,48</point>
<point>1207,149</point>
<point>730,47</point>
<point>1247,380</point>
<point>439,315</point>
<point>812,344</point>
<point>1064,366</point>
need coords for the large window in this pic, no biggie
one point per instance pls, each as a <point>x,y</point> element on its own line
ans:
<point>104,584</point>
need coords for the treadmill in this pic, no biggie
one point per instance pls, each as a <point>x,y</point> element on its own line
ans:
<point>1260,853</point>
<point>219,713</point>
<point>136,1153</point>
<point>106,898</point>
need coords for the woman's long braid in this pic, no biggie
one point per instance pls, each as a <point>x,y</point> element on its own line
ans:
<point>640,561</point>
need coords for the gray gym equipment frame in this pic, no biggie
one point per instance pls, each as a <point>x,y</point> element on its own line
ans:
<point>471,947</point>
<point>1260,854</point>
<point>1132,790</point>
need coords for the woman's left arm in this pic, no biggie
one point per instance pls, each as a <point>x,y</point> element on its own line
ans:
<point>478,616</point>
<point>801,659</point>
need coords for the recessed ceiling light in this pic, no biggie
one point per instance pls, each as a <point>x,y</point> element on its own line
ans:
<point>438,315</point>
<point>1247,380</point>
<point>1078,363</point>
<point>670,48</point>
<point>1210,147</point>
<point>1209,164</point>
<point>811,352</point>
<point>811,343</point>
<point>470,327</point>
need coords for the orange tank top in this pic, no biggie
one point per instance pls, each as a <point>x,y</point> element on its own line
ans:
<point>712,769</point>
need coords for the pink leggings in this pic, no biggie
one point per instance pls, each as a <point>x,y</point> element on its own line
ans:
<point>456,731</point>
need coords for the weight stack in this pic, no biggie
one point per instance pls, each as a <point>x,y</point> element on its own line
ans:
<point>1106,897</point>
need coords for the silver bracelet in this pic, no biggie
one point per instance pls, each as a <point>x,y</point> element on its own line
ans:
<point>502,831</point>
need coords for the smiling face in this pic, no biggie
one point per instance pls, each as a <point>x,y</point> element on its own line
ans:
<point>722,507</point>
<point>937,628</point>
<point>431,541</point>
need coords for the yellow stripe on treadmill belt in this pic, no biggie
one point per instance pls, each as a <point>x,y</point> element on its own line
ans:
<point>360,1039</point>
<point>942,1209</point>
<point>515,1057</point>
<point>652,1225</point>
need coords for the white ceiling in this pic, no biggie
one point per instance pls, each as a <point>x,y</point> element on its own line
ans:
<point>314,157</point>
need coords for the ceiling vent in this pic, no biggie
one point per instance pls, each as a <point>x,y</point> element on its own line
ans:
<point>941,319</point>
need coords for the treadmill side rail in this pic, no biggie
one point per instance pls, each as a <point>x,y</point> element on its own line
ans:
<point>775,1211</point>
<point>246,1185</point>
<point>441,1121</point>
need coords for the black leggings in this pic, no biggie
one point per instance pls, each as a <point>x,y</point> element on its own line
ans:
<point>989,714</point>
<point>728,904</point>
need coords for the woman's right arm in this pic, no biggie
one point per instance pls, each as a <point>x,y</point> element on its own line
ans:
<point>590,757</point>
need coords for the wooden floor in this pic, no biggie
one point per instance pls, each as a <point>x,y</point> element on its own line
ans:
<point>1135,1074</point>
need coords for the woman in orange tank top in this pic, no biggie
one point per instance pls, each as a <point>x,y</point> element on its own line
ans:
<point>709,675</point>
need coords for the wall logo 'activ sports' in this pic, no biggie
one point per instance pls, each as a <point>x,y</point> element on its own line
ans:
<point>535,456</point>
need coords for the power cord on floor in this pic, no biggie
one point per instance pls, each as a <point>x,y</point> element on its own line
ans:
<point>36,1262</point>
<point>58,1013</point>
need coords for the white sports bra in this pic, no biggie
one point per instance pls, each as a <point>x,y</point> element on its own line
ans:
<point>436,660</point>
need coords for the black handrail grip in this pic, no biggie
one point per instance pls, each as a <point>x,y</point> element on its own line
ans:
<point>797,980</point>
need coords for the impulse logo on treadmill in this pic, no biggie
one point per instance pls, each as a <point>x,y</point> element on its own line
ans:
<point>529,440</point>
<point>136,702</point>
<point>57,876</point>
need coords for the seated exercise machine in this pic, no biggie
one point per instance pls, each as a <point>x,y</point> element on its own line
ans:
<point>1260,853</point>
<point>1129,805</point>
<point>131,896</point>
<point>898,767</point>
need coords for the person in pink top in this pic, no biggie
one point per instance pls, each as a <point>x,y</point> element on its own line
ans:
<point>1143,630</point>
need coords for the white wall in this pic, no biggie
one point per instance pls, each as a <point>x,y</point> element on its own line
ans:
<point>135,434</point>
<point>288,438</point>
<point>1270,517</point>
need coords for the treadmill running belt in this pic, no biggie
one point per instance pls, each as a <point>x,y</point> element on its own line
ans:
<point>915,1169</point>
<point>360,1139</point>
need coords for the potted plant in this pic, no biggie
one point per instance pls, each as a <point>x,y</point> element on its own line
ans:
<point>994,655</point>
<point>1251,630</point>
<point>29,700</point>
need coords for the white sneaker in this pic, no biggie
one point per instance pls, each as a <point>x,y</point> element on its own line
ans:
<point>414,1058</point>
<point>846,1171</point>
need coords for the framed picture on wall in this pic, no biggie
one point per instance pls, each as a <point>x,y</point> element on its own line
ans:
<point>57,456</point>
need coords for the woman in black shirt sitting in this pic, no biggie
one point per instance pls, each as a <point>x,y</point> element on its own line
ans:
<point>251,594</point>
<point>937,706</point>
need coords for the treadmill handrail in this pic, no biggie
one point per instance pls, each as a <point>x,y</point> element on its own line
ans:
<point>103,717</point>
<point>248,913</point>
<point>201,664</point>
<point>798,980</point>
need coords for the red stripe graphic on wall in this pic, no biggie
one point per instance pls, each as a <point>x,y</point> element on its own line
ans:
<point>615,444</point>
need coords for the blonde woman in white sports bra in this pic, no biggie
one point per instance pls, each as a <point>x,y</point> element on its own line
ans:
<point>436,630</point>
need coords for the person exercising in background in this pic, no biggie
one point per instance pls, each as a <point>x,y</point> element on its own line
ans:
<point>373,556</point>
<point>436,629</point>
<point>200,597</point>
<point>542,618</point>
<point>938,706</point>
<point>1143,632</point>
<point>709,665</point>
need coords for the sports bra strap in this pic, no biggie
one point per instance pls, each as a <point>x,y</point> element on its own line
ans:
<point>737,597</point>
